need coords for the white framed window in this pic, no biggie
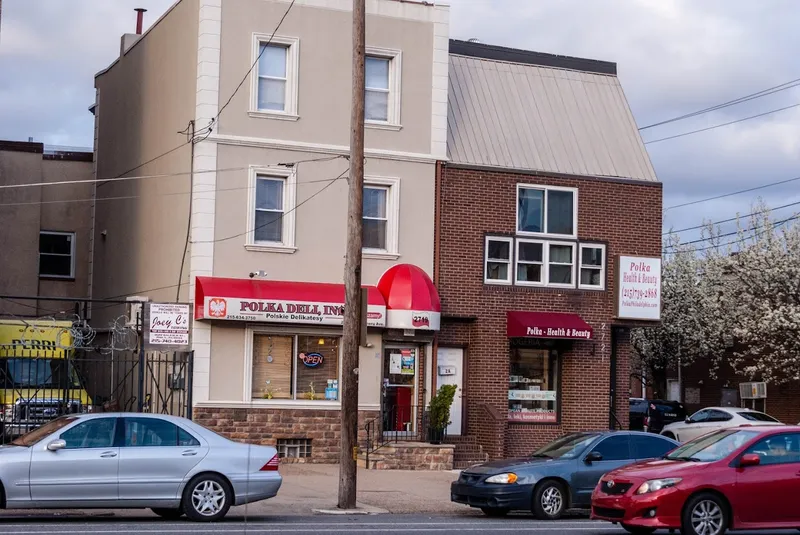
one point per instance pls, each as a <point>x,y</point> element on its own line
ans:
<point>592,266</point>
<point>381,217</point>
<point>271,221</point>
<point>561,264</point>
<point>382,85</point>
<point>530,266</point>
<point>57,255</point>
<point>547,211</point>
<point>275,77</point>
<point>498,261</point>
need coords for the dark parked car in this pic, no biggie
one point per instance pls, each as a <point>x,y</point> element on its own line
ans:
<point>652,415</point>
<point>556,477</point>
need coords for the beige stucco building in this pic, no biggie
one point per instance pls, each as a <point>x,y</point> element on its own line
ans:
<point>44,240</point>
<point>265,209</point>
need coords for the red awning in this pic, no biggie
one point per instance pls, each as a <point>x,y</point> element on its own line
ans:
<point>279,301</point>
<point>547,325</point>
<point>412,301</point>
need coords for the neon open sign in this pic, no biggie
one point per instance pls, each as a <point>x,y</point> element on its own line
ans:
<point>311,360</point>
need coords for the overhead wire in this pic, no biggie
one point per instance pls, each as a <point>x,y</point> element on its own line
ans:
<point>721,221</point>
<point>723,124</point>
<point>770,227</point>
<point>755,188</point>
<point>752,96</point>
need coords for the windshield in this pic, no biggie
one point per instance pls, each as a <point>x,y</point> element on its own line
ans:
<point>29,439</point>
<point>754,416</point>
<point>712,447</point>
<point>566,447</point>
<point>38,373</point>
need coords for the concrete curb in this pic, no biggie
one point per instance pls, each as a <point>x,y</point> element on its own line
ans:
<point>360,509</point>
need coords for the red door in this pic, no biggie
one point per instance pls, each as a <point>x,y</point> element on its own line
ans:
<point>761,492</point>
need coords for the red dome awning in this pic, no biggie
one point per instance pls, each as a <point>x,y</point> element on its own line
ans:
<point>412,301</point>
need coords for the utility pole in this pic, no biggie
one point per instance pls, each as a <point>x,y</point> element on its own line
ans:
<point>352,272</point>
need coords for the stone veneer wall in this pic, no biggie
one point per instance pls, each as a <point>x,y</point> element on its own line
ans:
<point>265,426</point>
<point>413,456</point>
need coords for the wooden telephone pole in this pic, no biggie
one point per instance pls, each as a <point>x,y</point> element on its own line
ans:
<point>352,272</point>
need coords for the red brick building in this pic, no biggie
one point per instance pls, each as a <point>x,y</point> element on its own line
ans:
<point>547,186</point>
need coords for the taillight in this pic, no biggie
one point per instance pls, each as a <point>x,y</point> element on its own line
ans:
<point>272,465</point>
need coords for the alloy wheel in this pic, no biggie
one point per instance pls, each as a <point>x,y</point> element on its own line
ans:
<point>208,498</point>
<point>552,501</point>
<point>706,518</point>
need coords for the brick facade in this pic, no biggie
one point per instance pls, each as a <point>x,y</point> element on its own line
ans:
<point>265,426</point>
<point>473,203</point>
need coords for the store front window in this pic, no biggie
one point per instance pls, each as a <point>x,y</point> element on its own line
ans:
<point>295,367</point>
<point>533,386</point>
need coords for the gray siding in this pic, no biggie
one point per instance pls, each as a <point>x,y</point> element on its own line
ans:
<point>528,117</point>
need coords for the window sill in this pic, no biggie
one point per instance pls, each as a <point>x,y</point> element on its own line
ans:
<point>263,248</point>
<point>376,125</point>
<point>273,115</point>
<point>56,278</point>
<point>592,288</point>
<point>283,404</point>
<point>379,255</point>
<point>491,282</point>
<point>544,236</point>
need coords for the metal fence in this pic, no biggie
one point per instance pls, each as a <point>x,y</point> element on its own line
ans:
<point>37,386</point>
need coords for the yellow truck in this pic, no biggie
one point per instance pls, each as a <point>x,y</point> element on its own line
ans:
<point>38,379</point>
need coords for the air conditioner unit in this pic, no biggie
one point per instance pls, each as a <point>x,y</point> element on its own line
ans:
<point>133,310</point>
<point>753,390</point>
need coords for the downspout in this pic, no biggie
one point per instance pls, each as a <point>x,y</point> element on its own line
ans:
<point>612,381</point>
<point>437,230</point>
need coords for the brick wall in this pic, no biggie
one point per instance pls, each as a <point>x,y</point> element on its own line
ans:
<point>473,203</point>
<point>265,426</point>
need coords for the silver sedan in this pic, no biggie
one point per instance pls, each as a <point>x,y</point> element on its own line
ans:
<point>135,461</point>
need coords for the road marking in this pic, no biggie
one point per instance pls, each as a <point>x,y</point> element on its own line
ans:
<point>329,529</point>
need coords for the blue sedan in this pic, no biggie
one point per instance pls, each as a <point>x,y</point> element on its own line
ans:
<point>558,476</point>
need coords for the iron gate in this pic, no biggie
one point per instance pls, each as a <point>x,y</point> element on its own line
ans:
<point>39,385</point>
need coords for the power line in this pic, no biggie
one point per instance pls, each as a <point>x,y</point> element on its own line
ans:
<point>711,223</point>
<point>763,93</point>
<point>104,181</point>
<point>723,124</point>
<point>713,246</point>
<point>284,214</point>
<point>253,66</point>
<point>768,185</point>
<point>165,175</point>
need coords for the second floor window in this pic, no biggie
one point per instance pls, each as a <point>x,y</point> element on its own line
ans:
<point>57,255</point>
<point>269,209</point>
<point>376,217</point>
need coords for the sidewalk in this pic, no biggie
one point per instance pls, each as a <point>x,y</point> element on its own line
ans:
<point>310,488</point>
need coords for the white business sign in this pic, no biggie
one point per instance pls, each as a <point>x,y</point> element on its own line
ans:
<point>279,311</point>
<point>639,288</point>
<point>168,325</point>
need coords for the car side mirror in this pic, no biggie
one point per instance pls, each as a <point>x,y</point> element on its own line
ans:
<point>593,457</point>
<point>57,445</point>
<point>749,459</point>
<point>688,419</point>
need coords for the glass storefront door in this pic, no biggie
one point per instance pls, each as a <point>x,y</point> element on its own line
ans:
<point>399,389</point>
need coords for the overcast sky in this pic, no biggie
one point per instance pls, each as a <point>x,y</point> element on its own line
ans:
<point>673,57</point>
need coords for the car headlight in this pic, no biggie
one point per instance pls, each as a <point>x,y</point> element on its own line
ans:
<point>657,484</point>
<point>503,479</point>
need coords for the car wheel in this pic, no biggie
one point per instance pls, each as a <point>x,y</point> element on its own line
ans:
<point>207,498</point>
<point>549,500</point>
<point>636,530</point>
<point>168,514</point>
<point>705,514</point>
<point>494,512</point>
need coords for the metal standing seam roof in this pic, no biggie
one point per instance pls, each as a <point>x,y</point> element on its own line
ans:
<point>541,118</point>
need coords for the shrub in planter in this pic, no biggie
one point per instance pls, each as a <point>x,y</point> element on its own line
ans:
<point>439,413</point>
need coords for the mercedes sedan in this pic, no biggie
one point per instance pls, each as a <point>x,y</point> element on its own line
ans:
<point>134,461</point>
<point>556,477</point>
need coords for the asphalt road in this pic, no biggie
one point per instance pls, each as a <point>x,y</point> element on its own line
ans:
<point>296,525</point>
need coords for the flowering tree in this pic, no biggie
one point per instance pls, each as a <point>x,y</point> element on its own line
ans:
<point>730,301</point>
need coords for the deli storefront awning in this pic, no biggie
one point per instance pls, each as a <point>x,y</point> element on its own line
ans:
<point>251,300</point>
<point>553,325</point>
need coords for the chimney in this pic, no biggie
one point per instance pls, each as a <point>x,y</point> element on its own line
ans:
<point>140,11</point>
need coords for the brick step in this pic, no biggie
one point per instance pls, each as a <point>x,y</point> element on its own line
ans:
<point>458,440</point>
<point>471,447</point>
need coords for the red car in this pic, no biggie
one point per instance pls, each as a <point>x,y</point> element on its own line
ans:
<point>737,478</point>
